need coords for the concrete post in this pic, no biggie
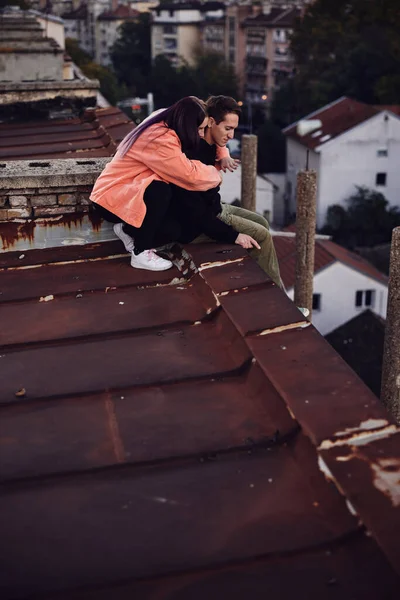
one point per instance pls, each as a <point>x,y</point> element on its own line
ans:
<point>249,171</point>
<point>390,391</point>
<point>305,238</point>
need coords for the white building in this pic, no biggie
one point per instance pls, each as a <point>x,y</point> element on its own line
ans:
<point>357,145</point>
<point>108,30</point>
<point>265,189</point>
<point>344,283</point>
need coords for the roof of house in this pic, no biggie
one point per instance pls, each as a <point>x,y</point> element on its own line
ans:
<point>337,118</point>
<point>326,253</point>
<point>183,434</point>
<point>96,133</point>
<point>360,343</point>
<point>191,5</point>
<point>79,13</point>
<point>121,12</point>
<point>278,17</point>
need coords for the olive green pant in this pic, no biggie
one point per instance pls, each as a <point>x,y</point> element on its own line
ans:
<point>256,226</point>
<point>253,224</point>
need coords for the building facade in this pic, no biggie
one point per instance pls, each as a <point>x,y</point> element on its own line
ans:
<point>356,145</point>
<point>177,29</point>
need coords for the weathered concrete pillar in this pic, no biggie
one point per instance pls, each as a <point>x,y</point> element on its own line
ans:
<point>305,238</point>
<point>390,391</point>
<point>249,171</point>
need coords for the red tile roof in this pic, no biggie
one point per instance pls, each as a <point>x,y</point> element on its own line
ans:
<point>96,133</point>
<point>338,117</point>
<point>183,434</point>
<point>121,12</point>
<point>278,17</point>
<point>326,253</point>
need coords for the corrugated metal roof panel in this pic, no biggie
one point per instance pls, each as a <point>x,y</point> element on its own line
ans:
<point>95,134</point>
<point>167,437</point>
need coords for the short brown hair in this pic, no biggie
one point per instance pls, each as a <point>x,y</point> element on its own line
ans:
<point>219,106</point>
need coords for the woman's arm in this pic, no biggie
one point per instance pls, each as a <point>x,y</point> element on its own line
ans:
<point>164,156</point>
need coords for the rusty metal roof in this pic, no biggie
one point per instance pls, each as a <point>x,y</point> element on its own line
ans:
<point>326,254</point>
<point>97,133</point>
<point>183,435</point>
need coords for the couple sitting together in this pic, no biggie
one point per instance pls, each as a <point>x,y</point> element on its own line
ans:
<point>162,186</point>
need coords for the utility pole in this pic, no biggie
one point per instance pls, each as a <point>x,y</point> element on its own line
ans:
<point>390,391</point>
<point>249,171</point>
<point>306,221</point>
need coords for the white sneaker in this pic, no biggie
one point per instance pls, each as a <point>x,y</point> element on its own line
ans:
<point>150,260</point>
<point>124,237</point>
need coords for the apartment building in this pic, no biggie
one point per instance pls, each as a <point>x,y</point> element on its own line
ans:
<point>108,29</point>
<point>177,28</point>
<point>268,61</point>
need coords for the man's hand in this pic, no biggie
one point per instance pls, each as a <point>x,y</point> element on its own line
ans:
<point>246,241</point>
<point>229,164</point>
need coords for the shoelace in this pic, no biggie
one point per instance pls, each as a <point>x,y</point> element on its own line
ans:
<point>151,254</point>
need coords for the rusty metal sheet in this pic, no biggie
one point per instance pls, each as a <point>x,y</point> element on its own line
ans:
<point>41,256</point>
<point>15,152</point>
<point>85,366</point>
<point>186,453</point>
<point>200,418</point>
<point>116,311</point>
<point>294,361</point>
<point>370,459</point>
<point>158,520</point>
<point>73,278</point>
<point>55,137</point>
<point>266,309</point>
<point>354,569</point>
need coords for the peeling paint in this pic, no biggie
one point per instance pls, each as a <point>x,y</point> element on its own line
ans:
<point>65,262</point>
<point>360,439</point>
<point>220,263</point>
<point>365,425</point>
<point>299,325</point>
<point>387,478</point>
<point>351,508</point>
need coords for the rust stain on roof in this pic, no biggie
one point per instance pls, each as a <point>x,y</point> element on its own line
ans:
<point>165,448</point>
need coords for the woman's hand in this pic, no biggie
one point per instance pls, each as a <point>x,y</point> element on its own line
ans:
<point>246,241</point>
<point>229,164</point>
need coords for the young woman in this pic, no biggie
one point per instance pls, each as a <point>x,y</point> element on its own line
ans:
<point>133,191</point>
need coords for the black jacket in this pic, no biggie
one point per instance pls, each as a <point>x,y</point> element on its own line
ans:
<point>197,211</point>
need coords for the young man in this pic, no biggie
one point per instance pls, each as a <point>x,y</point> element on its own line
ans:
<point>204,213</point>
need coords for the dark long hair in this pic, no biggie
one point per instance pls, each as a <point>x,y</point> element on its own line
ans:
<point>184,117</point>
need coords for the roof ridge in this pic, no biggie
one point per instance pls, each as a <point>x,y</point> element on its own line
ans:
<point>315,112</point>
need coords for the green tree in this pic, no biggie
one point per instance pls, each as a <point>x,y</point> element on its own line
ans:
<point>368,220</point>
<point>109,85</point>
<point>345,47</point>
<point>131,54</point>
<point>168,83</point>
<point>214,76</point>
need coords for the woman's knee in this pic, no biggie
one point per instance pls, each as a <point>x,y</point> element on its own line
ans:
<point>158,194</point>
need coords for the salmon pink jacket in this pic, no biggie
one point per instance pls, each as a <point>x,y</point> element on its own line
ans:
<point>156,155</point>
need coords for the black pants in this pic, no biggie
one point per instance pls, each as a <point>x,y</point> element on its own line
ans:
<point>159,227</point>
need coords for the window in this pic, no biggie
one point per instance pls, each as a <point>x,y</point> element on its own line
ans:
<point>381,179</point>
<point>365,298</point>
<point>170,44</point>
<point>316,302</point>
<point>169,29</point>
<point>382,153</point>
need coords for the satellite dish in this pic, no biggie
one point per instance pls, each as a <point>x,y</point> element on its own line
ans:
<point>306,127</point>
